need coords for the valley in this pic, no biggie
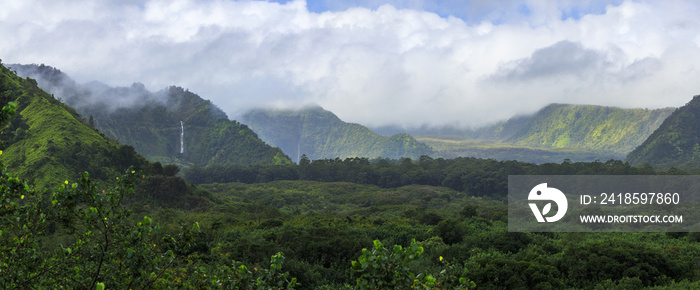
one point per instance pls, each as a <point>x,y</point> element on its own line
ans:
<point>305,221</point>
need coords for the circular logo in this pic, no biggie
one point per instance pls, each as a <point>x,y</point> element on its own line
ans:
<point>542,192</point>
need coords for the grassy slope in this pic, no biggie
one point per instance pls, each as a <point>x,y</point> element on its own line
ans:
<point>676,143</point>
<point>49,148</point>
<point>320,134</point>
<point>604,129</point>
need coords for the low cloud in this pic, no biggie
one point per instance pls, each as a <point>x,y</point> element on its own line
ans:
<point>385,63</point>
<point>562,59</point>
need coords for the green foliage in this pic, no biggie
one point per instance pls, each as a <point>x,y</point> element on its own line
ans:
<point>318,226</point>
<point>81,237</point>
<point>476,177</point>
<point>96,242</point>
<point>320,223</point>
<point>384,268</point>
<point>243,278</point>
<point>319,134</point>
<point>451,231</point>
<point>676,143</point>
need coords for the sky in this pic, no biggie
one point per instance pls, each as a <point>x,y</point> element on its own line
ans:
<point>373,62</point>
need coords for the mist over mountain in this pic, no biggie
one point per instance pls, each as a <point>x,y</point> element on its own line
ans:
<point>91,97</point>
<point>151,122</point>
<point>497,131</point>
<point>553,134</point>
<point>173,125</point>
<point>319,134</point>
<point>48,142</point>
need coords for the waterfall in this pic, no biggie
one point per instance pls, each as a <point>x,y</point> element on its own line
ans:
<point>301,132</point>
<point>182,137</point>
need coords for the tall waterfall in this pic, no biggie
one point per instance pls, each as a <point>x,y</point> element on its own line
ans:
<point>299,151</point>
<point>182,137</point>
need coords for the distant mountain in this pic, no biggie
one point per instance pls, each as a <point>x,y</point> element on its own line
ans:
<point>676,143</point>
<point>173,125</point>
<point>598,128</point>
<point>48,142</point>
<point>554,133</point>
<point>320,134</point>
<point>496,132</point>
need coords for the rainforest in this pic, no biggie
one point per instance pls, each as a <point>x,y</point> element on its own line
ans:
<point>101,216</point>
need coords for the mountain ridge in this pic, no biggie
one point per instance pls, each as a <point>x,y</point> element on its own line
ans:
<point>154,123</point>
<point>676,143</point>
<point>47,141</point>
<point>320,134</point>
<point>586,132</point>
<point>592,127</point>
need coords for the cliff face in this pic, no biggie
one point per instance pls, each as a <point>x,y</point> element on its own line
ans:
<point>319,134</point>
<point>676,143</point>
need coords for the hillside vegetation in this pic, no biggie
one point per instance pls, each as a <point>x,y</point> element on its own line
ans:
<point>604,129</point>
<point>676,143</point>
<point>153,123</point>
<point>320,134</point>
<point>553,134</point>
<point>48,142</point>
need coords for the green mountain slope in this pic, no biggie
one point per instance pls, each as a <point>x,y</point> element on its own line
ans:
<point>171,126</point>
<point>603,129</point>
<point>500,130</point>
<point>554,133</point>
<point>319,134</point>
<point>676,143</point>
<point>47,142</point>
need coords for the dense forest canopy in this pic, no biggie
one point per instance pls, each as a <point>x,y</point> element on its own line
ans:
<point>477,177</point>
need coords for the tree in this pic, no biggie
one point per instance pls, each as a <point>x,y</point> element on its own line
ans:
<point>382,268</point>
<point>170,170</point>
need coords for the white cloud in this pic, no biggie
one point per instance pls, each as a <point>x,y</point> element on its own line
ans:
<point>372,66</point>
